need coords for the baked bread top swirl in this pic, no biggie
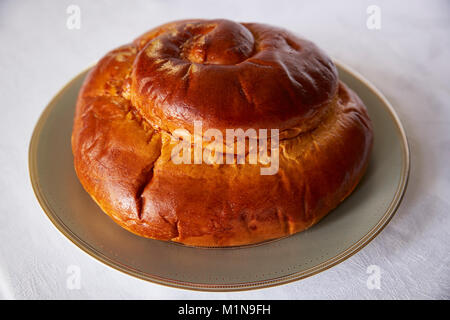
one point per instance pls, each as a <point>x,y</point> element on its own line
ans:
<point>230,75</point>
<point>227,75</point>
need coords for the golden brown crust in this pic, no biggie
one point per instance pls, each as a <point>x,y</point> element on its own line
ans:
<point>230,75</point>
<point>227,75</point>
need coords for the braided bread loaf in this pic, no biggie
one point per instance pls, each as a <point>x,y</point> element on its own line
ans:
<point>226,75</point>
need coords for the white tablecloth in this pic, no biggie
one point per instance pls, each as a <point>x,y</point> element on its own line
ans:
<point>407,59</point>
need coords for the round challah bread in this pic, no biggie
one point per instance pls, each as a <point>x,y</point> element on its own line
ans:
<point>224,75</point>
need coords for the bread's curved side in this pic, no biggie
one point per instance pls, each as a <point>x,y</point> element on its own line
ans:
<point>226,205</point>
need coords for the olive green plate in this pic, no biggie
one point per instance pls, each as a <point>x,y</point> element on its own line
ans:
<point>338,236</point>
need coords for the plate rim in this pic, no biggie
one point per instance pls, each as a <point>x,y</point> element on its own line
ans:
<point>329,263</point>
